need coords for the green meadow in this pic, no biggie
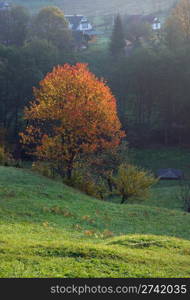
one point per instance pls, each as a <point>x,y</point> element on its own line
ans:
<point>48,229</point>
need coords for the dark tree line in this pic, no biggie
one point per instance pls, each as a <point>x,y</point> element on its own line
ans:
<point>153,92</point>
<point>151,82</point>
<point>29,48</point>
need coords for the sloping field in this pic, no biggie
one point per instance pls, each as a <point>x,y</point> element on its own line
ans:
<point>50,230</point>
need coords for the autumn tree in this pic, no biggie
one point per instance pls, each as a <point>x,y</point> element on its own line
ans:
<point>73,113</point>
<point>178,25</point>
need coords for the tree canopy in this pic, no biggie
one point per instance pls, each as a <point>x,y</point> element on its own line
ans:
<point>14,25</point>
<point>50,24</point>
<point>73,113</point>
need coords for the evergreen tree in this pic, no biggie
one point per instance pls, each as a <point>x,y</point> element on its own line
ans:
<point>117,45</point>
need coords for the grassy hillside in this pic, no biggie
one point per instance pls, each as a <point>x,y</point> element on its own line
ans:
<point>50,230</point>
<point>100,7</point>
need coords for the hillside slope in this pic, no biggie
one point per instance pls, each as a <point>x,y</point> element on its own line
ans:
<point>50,230</point>
<point>100,7</point>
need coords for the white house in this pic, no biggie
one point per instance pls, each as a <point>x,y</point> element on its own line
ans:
<point>78,23</point>
<point>156,24</point>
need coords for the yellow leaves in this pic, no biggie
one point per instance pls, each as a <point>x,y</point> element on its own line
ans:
<point>132,181</point>
<point>74,112</point>
<point>178,24</point>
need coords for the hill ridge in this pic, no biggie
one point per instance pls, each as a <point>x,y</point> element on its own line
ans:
<point>101,7</point>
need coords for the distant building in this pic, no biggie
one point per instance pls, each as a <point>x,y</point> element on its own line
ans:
<point>4,5</point>
<point>78,23</point>
<point>128,47</point>
<point>169,174</point>
<point>82,29</point>
<point>152,20</point>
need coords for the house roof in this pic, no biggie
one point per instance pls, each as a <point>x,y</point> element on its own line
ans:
<point>169,173</point>
<point>151,19</point>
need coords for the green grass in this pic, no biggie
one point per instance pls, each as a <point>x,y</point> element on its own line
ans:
<point>101,44</point>
<point>164,158</point>
<point>50,230</point>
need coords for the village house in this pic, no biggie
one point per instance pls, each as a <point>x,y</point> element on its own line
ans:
<point>137,37</point>
<point>152,20</point>
<point>82,29</point>
<point>78,23</point>
<point>4,5</point>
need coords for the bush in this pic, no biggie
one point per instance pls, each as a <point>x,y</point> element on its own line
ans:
<point>5,158</point>
<point>43,168</point>
<point>132,181</point>
<point>80,179</point>
<point>87,184</point>
<point>2,156</point>
<point>106,162</point>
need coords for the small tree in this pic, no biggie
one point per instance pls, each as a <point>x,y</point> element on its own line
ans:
<point>105,163</point>
<point>6,158</point>
<point>132,181</point>
<point>74,114</point>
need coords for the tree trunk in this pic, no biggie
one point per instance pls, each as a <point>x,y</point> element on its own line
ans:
<point>124,198</point>
<point>109,184</point>
<point>69,172</point>
<point>69,169</point>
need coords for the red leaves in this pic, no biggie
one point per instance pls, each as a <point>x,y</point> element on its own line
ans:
<point>74,112</point>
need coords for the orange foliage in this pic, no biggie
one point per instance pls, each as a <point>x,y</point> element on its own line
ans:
<point>73,113</point>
